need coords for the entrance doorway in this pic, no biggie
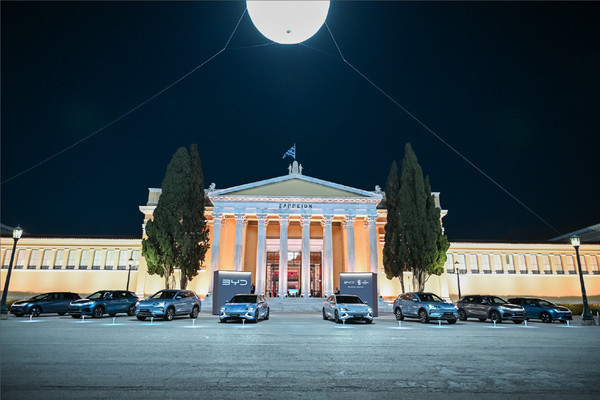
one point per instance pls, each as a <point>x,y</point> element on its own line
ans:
<point>294,278</point>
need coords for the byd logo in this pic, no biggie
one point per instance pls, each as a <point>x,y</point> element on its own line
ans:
<point>240,282</point>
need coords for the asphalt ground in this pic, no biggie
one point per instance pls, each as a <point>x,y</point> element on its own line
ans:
<point>295,356</point>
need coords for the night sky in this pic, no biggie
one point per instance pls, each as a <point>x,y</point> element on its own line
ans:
<point>513,87</point>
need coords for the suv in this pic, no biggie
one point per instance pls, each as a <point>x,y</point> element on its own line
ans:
<point>104,301</point>
<point>492,307</point>
<point>167,304</point>
<point>55,302</point>
<point>424,306</point>
<point>543,309</point>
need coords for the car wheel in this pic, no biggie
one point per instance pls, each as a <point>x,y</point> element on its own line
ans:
<point>337,317</point>
<point>36,311</point>
<point>195,312</point>
<point>546,317</point>
<point>423,317</point>
<point>140,318</point>
<point>462,315</point>
<point>398,314</point>
<point>61,313</point>
<point>267,315</point>
<point>169,314</point>
<point>256,316</point>
<point>518,321</point>
<point>325,315</point>
<point>97,312</point>
<point>495,316</point>
<point>482,319</point>
<point>452,321</point>
<point>131,310</point>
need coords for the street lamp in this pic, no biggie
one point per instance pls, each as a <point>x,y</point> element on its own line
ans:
<point>586,318</point>
<point>457,271</point>
<point>17,232</point>
<point>130,264</point>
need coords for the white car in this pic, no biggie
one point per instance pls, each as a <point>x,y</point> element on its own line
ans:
<point>343,307</point>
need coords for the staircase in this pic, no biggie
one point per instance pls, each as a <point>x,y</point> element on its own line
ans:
<point>295,304</point>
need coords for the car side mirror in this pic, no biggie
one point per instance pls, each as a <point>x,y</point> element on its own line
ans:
<point>533,305</point>
<point>177,297</point>
<point>415,300</point>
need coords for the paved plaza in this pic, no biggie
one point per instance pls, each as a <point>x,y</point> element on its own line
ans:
<point>295,356</point>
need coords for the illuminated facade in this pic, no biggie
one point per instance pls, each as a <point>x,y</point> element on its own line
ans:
<point>299,233</point>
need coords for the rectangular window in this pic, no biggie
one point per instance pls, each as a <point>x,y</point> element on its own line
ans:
<point>7,255</point>
<point>136,260</point>
<point>485,263</point>
<point>58,261</point>
<point>498,264</point>
<point>521,266</point>
<point>72,259</point>
<point>123,258</point>
<point>21,254</point>
<point>110,259</point>
<point>462,264</point>
<point>571,265</point>
<point>85,259</point>
<point>533,264</point>
<point>46,259</point>
<point>98,255</point>
<point>584,269</point>
<point>593,265</point>
<point>546,264</point>
<point>474,264</point>
<point>510,265</point>
<point>449,264</point>
<point>558,265</point>
<point>33,259</point>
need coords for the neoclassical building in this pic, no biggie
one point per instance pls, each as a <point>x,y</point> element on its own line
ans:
<point>296,234</point>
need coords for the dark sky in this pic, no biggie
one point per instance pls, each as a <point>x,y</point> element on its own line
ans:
<point>513,87</point>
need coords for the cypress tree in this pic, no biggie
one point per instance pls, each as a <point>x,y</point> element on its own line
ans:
<point>392,263</point>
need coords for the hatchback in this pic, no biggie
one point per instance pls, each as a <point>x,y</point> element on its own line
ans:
<point>250,307</point>
<point>342,307</point>
<point>55,302</point>
<point>542,309</point>
<point>167,304</point>
<point>110,302</point>
<point>424,306</point>
<point>489,307</point>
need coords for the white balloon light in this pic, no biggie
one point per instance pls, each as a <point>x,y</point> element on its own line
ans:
<point>288,21</point>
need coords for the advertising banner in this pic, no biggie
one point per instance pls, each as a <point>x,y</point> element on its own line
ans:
<point>227,284</point>
<point>363,285</point>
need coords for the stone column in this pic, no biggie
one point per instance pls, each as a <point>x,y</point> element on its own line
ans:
<point>328,256</point>
<point>283,254</point>
<point>350,248</point>
<point>260,254</point>
<point>240,223</point>
<point>218,220</point>
<point>305,256</point>
<point>372,225</point>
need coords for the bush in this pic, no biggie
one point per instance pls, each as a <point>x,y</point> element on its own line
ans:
<point>577,309</point>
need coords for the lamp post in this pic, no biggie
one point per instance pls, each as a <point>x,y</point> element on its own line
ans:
<point>586,318</point>
<point>130,264</point>
<point>17,232</point>
<point>457,271</point>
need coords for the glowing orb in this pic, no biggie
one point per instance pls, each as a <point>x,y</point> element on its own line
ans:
<point>287,21</point>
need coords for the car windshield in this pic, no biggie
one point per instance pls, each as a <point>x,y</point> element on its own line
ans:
<point>98,295</point>
<point>545,303</point>
<point>40,297</point>
<point>243,298</point>
<point>497,300</point>
<point>430,297</point>
<point>348,300</point>
<point>164,294</point>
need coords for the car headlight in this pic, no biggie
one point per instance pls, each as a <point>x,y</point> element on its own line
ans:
<point>161,304</point>
<point>369,310</point>
<point>432,306</point>
<point>222,309</point>
<point>250,309</point>
<point>342,309</point>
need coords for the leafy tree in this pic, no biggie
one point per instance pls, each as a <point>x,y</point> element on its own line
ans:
<point>422,244</point>
<point>178,234</point>
<point>392,263</point>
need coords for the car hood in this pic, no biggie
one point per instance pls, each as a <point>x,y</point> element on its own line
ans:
<point>23,302</point>
<point>354,307</point>
<point>562,309</point>
<point>82,301</point>
<point>150,302</point>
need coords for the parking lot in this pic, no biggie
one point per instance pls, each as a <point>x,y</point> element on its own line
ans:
<point>295,356</point>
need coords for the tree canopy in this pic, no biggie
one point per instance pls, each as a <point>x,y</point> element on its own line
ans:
<point>392,263</point>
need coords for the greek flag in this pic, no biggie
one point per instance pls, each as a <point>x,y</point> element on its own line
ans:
<point>291,152</point>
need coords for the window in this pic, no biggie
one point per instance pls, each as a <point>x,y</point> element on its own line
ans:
<point>533,264</point>
<point>110,259</point>
<point>462,266</point>
<point>546,264</point>
<point>485,262</point>
<point>58,261</point>
<point>123,259</point>
<point>85,259</point>
<point>593,264</point>
<point>98,255</point>
<point>7,255</point>
<point>72,259</point>
<point>20,259</point>
<point>558,265</point>
<point>474,264</point>
<point>136,260</point>
<point>46,259</point>
<point>449,264</point>
<point>570,264</point>
<point>498,264</point>
<point>510,266</point>
<point>33,259</point>
<point>521,266</point>
<point>584,269</point>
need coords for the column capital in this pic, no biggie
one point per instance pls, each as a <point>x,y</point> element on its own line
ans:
<point>262,218</point>
<point>326,220</point>
<point>305,219</point>
<point>370,220</point>
<point>284,218</point>
<point>218,217</point>
<point>348,219</point>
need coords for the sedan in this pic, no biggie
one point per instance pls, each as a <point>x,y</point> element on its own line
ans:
<point>542,309</point>
<point>167,304</point>
<point>425,306</point>
<point>55,302</point>
<point>111,302</point>
<point>343,307</point>
<point>248,307</point>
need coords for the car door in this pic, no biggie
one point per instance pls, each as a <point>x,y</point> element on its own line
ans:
<point>329,306</point>
<point>470,305</point>
<point>412,305</point>
<point>532,309</point>
<point>50,304</point>
<point>262,305</point>
<point>61,303</point>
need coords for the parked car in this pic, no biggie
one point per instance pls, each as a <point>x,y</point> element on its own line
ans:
<point>249,307</point>
<point>425,306</point>
<point>110,302</point>
<point>492,307</point>
<point>343,307</point>
<point>167,304</point>
<point>54,302</point>
<point>542,309</point>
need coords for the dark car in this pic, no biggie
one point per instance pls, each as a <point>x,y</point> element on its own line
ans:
<point>167,304</point>
<point>489,307</point>
<point>54,302</point>
<point>110,302</point>
<point>542,309</point>
<point>425,306</point>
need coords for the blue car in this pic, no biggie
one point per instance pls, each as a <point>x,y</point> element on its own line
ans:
<point>102,302</point>
<point>55,302</point>
<point>345,307</point>
<point>249,307</point>
<point>542,309</point>
<point>167,304</point>
<point>425,306</point>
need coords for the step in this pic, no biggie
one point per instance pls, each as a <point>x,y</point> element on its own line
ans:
<point>296,304</point>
